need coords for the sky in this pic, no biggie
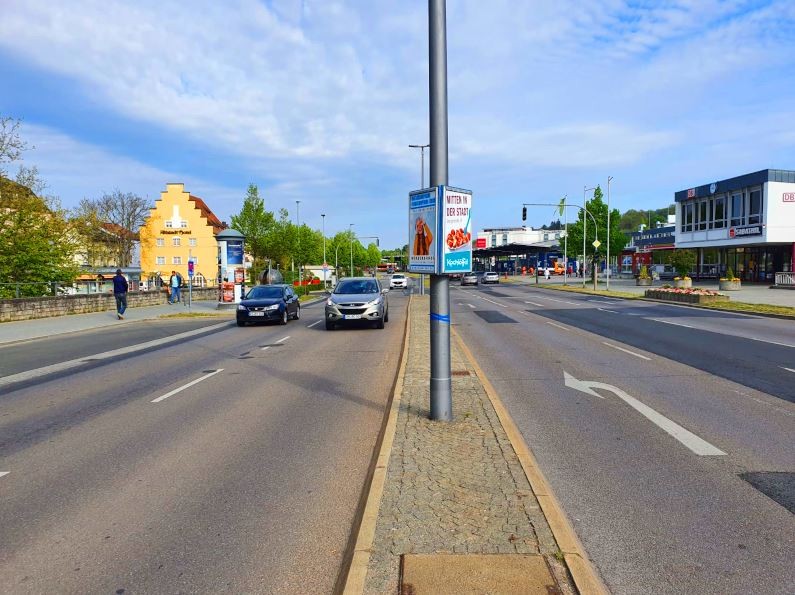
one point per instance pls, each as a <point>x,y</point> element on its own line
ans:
<point>317,101</point>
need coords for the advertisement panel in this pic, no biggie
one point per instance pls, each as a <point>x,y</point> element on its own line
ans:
<point>423,230</point>
<point>457,230</point>
<point>234,252</point>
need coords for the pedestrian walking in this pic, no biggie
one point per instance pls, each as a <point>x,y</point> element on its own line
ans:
<point>174,284</point>
<point>120,288</point>
<point>546,272</point>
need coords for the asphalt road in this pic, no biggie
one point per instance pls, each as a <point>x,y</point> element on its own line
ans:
<point>245,480</point>
<point>660,508</point>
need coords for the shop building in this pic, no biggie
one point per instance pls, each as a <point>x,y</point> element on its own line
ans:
<point>650,248</point>
<point>180,227</point>
<point>746,223</point>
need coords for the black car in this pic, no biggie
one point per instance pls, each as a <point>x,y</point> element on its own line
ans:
<point>268,303</point>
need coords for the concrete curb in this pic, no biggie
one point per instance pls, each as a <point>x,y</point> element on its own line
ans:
<point>357,571</point>
<point>585,576</point>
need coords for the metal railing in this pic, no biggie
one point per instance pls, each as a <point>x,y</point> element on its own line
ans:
<point>785,279</point>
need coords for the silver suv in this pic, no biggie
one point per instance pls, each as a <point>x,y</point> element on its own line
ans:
<point>469,279</point>
<point>357,299</point>
<point>490,277</point>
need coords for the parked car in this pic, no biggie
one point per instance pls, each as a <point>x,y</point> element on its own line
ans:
<point>469,279</point>
<point>268,303</point>
<point>490,277</point>
<point>398,281</point>
<point>357,299</point>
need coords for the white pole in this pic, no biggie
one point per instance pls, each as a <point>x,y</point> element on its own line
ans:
<point>325,266</point>
<point>607,282</point>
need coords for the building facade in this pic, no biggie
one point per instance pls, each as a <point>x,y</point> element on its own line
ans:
<point>503,236</point>
<point>180,227</point>
<point>746,223</point>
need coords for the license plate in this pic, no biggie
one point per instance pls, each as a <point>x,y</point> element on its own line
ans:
<point>352,316</point>
<point>256,313</point>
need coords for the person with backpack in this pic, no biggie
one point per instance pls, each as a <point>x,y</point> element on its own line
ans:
<point>120,288</point>
<point>174,284</point>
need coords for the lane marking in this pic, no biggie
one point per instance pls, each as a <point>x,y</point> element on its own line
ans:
<point>767,341</point>
<point>673,323</point>
<point>560,326</point>
<point>536,304</point>
<point>604,302</point>
<point>283,339</point>
<point>183,387</point>
<point>4,473</point>
<point>313,324</point>
<point>60,367</point>
<point>789,369</point>
<point>493,302</point>
<point>606,310</point>
<point>626,350</point>
<point>689,439</point>
<point>265,348</point>
<point>561,301</point>
<point>470,305</point>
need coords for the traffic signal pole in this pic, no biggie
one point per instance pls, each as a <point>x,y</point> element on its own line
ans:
<point>441,394</point>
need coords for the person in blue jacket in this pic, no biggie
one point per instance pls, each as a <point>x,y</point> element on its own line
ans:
<point>120,293</point>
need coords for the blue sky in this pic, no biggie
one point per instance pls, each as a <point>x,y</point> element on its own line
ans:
<point>317,100</point>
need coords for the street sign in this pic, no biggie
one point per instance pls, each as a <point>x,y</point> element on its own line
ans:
<point>190,268</point>
<point>596,244</point>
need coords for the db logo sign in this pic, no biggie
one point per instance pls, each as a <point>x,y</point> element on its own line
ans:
<point>731,232</point>
<point>789,197</point>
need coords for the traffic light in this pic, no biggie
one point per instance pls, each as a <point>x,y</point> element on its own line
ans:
<point>524,213</point>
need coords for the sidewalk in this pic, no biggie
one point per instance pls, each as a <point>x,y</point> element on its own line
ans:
<point>24,330</point>
<point>451,509</point>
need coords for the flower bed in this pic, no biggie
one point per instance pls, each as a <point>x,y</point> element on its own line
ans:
<point>687,296</point>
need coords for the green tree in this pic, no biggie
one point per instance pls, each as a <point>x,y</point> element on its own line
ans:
<point>373,256</point>
<point>598,209</point>
<point>11,143</point>
<point>682,261</point>
<point>256,223</point>
<point>632,219</point>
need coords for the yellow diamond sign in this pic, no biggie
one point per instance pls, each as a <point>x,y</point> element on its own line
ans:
<point>596,244</point>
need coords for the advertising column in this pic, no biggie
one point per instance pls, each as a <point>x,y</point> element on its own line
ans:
<point>231,272</point>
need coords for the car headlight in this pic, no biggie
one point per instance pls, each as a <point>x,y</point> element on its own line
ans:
<point>329,302</point>
<point>375,302</point>
<point>241,307</point>
<point>273,307</point>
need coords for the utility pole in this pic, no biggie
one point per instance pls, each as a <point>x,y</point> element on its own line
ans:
<point>298,256</point>
<point>323,231</point>
<point>350,237</point>
<point>585,191</point>
<point>607,283</point>
<point>441,395</point>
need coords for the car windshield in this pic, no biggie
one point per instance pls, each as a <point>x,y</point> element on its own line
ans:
<point>397,276</point>
<point>356,286</point>
<point>265,292</point>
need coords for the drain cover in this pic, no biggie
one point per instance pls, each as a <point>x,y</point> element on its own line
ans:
<point>493,316</point>
<point>776,485</point>
<point>448,574</point>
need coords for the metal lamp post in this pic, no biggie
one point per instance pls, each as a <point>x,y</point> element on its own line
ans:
<point>323,231</point>
<point>585,191</point>
<point>298,230</point>
<point>350,237</point>
<point>607,282</point>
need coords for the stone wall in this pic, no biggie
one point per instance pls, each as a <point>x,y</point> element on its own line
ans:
<point>47,306</point>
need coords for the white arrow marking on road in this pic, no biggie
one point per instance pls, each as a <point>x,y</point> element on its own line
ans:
<point>686,437</point>
<point>4,473</point>
<point>181,388</point>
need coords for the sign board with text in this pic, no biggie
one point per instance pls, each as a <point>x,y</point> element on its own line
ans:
<point>456,218</point>
<point>423,230</point>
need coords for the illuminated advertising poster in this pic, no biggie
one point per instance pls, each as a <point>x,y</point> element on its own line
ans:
<point>234,252</point>
<point>423,230</point>
<point>456,242</point>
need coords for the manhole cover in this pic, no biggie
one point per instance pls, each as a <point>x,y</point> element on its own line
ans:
<point>448,574</point>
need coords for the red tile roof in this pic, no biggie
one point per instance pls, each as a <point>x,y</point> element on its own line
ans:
<point>118,230</point>
<point>218,225</point>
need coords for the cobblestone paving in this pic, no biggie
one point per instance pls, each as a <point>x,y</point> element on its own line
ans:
<point>452,487</point>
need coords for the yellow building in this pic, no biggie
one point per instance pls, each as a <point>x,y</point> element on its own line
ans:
<point>180,226</point>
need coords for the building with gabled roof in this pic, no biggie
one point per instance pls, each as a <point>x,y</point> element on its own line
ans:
<point>180,227</point>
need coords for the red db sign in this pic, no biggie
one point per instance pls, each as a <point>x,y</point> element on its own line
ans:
<point>789,197</point>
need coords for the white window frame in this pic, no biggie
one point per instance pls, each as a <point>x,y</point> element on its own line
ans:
<point>176,241</point>
<point>169,223</point>
<point>176,260</point>
<point>192,242</point>
<point>161,242</point>
<point>183,224</point>
<point>161,260</point>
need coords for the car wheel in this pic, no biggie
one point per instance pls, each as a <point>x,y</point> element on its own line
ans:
<point>379,323</point>
<point>241,323</point>
<point>283,319</point>
<point>329,325</point>
<point>386,315</point>
<point>298,313</point>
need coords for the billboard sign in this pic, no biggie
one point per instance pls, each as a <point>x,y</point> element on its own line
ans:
<point>423,241</point>
<point>234,252</point>
<point>457,230</point>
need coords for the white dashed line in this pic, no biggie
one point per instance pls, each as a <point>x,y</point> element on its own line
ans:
<point>283,339</point>
<point>771,342</point>
<point>536,304</point>
<point>313,324</point>
<point>606,310</point>
<point>673,323</point>
<point>183,387</point>
<point>493,302</point>
<point>265,348</point>
<point>789,369</point>
<point>470,305</point>
<point>4,473</point>
<point>555,324</point>
<point>626,350</point>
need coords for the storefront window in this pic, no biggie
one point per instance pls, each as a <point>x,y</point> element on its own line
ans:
<point>687,219</point>
<point>702,214</point>
<point>738,210</point>
<point>755,207</point>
